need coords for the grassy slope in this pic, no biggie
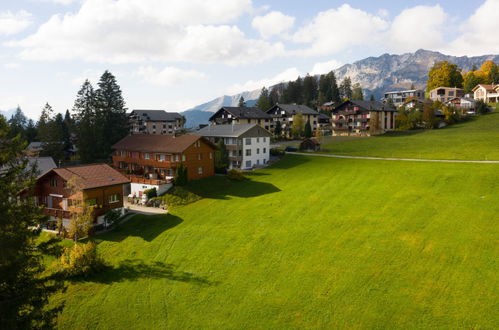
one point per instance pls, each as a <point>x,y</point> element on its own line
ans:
<point>310,242</point>
<point>475,140</point>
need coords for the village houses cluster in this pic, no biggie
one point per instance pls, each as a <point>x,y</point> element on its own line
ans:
<point>158,144</point>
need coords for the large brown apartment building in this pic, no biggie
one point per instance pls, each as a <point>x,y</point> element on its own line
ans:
<point>150,161</point>
<point>241,115</point>
<point>155,122</point>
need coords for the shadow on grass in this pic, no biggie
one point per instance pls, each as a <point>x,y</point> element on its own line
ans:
<point>223,188</point>
<point>134,269</point>
<point>402,133</point>
<point>147,227</point>
<point>290,161</point>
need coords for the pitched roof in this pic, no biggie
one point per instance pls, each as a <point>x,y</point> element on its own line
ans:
<point>91,176</point>
<point>157,143</point>
<point>43,164</point>
<point>488,88</point>
<point>295,109</point>
<point>244,113</point>
<point>235,130</point>
<point>156,115</point>
<point>368,105</point>
<point>35,145</point>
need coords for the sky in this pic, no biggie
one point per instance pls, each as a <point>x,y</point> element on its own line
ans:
<point>175,54</point>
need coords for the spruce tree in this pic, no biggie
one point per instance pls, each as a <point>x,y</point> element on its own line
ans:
<point>31,131</point>
<point>85,117</point>
<point>242,103</point>
<point>111,118</point>
<point>308,130</point>
<point>372,99</point>
<point>357,92</point>
<point>346,88</point>
<point>24,288</point>
<point>18,123</point>
<point>335,91</point>
<point>278,129</point>
<point>309,91</point>
<point>274,96</point>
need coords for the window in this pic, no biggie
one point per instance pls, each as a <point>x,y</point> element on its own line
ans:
<point>200,156</point>
<point>164,125</point>
<point>200,170</point>
<point>248,163</point>
<point>91,201</point>
<point>154,126</point>
<point>211,155</point>
<point>258,162</point>
<point>53,182</point>
<point>114,198</point>
<point>248,141</point>
<point>176,158</point>
<point>264,139</point>
<point>183,158</point>
<point>122,153</point>
<point>147,156</point>
<point>257,140</point>
<point>257,151</point>
<point>248,152</point>
<point>264,150</point>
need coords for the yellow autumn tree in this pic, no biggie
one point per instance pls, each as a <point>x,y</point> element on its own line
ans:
<point>444,74</point>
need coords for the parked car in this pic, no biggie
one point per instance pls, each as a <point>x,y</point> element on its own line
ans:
<point>290,149</point>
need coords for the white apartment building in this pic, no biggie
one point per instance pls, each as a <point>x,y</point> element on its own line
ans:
<point>248,145</point>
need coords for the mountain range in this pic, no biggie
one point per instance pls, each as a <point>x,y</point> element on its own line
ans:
<point>376,75</point>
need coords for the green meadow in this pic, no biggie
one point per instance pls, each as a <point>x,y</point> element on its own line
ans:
<point>313,242</point>
<point>477,139</point>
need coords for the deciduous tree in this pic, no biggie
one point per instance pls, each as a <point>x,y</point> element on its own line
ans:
<point>444,74</point>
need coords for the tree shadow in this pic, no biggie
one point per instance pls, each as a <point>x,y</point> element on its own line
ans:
<point>147,227</point>
<point>402,133</point>
<point>134,269</point>
<point>222,188</point>
<point>289,161</point>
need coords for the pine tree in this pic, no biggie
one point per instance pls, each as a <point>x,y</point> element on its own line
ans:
<point>274,96</point>
<point>85,122</point>
<point>24,288</point>
<point>324,90</point>
<point>335,91</point>
<point>43,125</point>
<point>242,103</point>
<point>357,92</point>
<point>308,130</point>
<point>346,89</point>
<point>263,102</point>
<point>31,131</point>
<point>309,91</point>
<point>112,120</point>
<point>18,123</point>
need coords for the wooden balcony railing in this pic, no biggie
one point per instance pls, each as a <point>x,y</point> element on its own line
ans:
<point>143,180</point>
<point>144,162</point>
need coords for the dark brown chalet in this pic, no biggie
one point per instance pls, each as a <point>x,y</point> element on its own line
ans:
<point>241,115</point>
<point>363,118</point>
<point>96,184</point>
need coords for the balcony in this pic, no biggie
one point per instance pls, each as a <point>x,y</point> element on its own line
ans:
<point>143,180</point>
<point>348,112</point>
<point>57,213</point>
<point>143,162</point>
<point>339,121</point>
<point>342,128</point>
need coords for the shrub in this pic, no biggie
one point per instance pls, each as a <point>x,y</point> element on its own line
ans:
<point>235,175</point>
<point>276,152</point>
<point>178,196</point>
<point>181,176</point>
<point>481,107</point>
<point>151,193</point>
<point>80,260</point>
<point>111,217</point>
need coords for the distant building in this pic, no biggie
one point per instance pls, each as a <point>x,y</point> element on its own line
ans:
<point>241,115</point>
<point>98,184</point>
<point>486,93</point>
<point>286,114</point>
<point>328,106</point>
<point>151,160</point>
<point>355,118</point>
<point>444,94</point>
<point>399,97</point>
<point>311,144</point>
<point>248,144</point>
<point>42,164</point>
<point>464,103</point>
<point>155,122</point>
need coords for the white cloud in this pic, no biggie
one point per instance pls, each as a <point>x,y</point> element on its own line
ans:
<point>126,31</point>
<point>168,76</point>
<point>418,27</point>
<point>325,67</point>
<point>335,30</point>
<point>479,34</point>
<point>286,75</point>
<point>12,23</point>
<point>60,2</point>
<point>12,65</point>
<point>273,23</point>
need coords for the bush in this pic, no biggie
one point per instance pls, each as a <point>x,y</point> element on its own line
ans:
<point>235,175</point>
<point>481,107</point>
<point>276,152</point>
<point>151,193</point>
<point>111,217</point>
<point>178,196</point>
<point>80,260</point>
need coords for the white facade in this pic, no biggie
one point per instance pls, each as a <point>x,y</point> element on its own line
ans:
<point>138,188</point>
<point>256,152</point>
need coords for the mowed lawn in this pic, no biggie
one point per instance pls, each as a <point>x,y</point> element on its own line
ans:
<point>309,243</point>
<point>477,139</point>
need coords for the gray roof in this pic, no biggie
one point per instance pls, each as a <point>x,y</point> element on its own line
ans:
<point>368,105</point>
<point>244,113</point>
<point>35,145</point>
<point>295,108</point>
<point>230,130</point>
<point>157,115</point>
<point>43,164</point>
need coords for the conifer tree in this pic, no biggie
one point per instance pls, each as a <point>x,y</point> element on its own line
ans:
<point>357,92</point>
<point>24,288</point>
<point>274,96</point>
<point>346,88</point>
<point>242,103</point>
<point>18,123</point>
<point>85,122</point>
<point>335,92</point>
<point>278,129</point>
<point>263,102</point>
<point>31,131</point>
<point>309,91</point>
<point>111,117</point>
<point>308,130</point>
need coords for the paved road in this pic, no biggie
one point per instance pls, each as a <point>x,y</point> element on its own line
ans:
<point>404,159</point>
